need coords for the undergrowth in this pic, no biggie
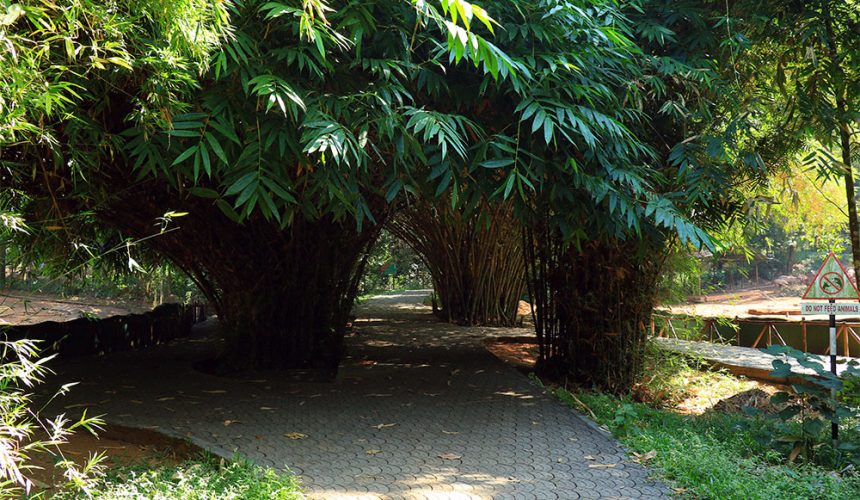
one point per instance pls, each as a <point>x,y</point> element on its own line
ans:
<point>672,379</point>
<point>206,477</point>
<point>713,450</point>
<point>714,455</point>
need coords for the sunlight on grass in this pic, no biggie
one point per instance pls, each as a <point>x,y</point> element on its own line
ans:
<point>204,478</point>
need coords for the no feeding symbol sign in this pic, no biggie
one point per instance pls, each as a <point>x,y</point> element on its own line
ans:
<point>831,282</point>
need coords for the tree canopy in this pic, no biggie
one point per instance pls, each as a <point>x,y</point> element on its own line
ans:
<point>309,108</point>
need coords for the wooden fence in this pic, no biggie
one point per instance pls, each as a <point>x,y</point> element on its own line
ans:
<point>763,333</point>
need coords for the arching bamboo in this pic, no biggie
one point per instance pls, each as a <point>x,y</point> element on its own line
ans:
<point>475,259</point>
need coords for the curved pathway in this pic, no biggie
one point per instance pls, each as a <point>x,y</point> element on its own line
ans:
<point>419,410</point>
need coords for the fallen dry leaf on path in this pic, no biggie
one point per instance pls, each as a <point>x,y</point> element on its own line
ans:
<point>601,466</point>
<point>295,435</point>
<point>228,422</point>
<point>644,457</point>
<point>216,391</point>
<point>373,452</point>
<point>589,457</point>
<point>79,405</point>
<point>452,433</point>
<point>450,456</point>
<point>383,426</point>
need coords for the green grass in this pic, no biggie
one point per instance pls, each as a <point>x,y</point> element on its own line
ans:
<point>204,478</point>
<point>673,378</point>
<point>714,455</point>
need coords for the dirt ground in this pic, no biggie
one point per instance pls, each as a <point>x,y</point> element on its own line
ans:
<point>24,308</point>
<point>520,352</point>
<point>121,446</point>
<point>741,303</point>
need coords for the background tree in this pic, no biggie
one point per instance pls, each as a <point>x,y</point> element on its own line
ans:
<point>815,49</point>
<point>393,266</point>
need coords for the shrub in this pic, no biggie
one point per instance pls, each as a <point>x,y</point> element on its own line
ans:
<point>21,370</point>
<point>203,478</point>
<point>818,399</point>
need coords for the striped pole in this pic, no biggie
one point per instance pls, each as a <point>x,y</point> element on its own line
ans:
<point>834,427</point>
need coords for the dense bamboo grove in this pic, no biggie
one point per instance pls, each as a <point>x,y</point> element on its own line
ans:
<point>592,306</point>
<point>475,259</point>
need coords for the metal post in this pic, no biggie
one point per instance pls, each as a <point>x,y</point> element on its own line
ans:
<point>834,427</point>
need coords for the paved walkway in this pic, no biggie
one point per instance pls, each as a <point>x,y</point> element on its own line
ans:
<point>420,410</point>
<point>745,361</point>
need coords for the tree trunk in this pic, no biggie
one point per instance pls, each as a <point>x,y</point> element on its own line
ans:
<point>293,313</point>
<point>475,259</point>
<point>837,75</point>
<point>283,296</point>
<point>789,259</point>
<point>591,307</point>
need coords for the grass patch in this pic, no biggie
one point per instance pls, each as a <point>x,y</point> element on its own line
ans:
<point>206,477</point>
<point>685,384</point>
<point>688,424</point>
<point>713,455</point>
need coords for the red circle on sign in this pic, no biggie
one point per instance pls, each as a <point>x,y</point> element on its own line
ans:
<point>831,283</point>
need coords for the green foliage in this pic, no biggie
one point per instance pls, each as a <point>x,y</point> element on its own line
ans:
<point>682,277</point>
<point>815,48</point>
<point>203,478</point>
<point>850,392</point>
<point>712,455</point>
<point>817,403</point>
<point>21,424</point>
<point>811,210</point>
<point>286,108</point>
<point>389,252</point>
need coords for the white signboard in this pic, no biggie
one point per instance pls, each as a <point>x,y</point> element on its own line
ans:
<point>844,308</point>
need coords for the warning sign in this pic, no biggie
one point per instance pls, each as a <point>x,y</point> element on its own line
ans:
<point>831,282</point>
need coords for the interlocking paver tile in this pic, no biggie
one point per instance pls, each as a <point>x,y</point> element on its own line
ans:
<point>446,393</point>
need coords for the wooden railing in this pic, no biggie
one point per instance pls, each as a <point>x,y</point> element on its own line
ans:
<point>709,328</point>
<point>768,334</point>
